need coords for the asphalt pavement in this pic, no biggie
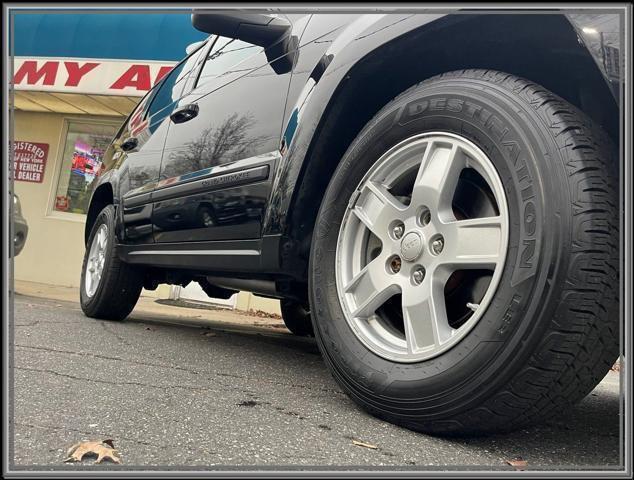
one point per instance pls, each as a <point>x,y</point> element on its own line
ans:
<point>173,393</point>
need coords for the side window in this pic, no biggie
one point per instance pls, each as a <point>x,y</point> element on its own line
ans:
<point>136,122</point>
<point>225,57</point>
<point>171,86</point>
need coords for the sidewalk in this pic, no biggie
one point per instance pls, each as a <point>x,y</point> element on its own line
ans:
<point>149,307</point>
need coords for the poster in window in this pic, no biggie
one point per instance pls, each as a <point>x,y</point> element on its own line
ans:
<point>85,166</point>
<point>81,164</point>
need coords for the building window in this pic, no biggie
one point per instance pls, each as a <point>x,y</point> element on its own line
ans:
<point>81,163</point>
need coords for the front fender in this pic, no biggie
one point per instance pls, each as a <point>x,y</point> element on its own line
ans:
<point>330,55</point>
<point>327,55</point>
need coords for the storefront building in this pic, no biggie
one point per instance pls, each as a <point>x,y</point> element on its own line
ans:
<point>76,77</point>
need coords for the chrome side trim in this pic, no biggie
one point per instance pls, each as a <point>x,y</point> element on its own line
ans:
<point>210,183</point>
<point>195,252</point>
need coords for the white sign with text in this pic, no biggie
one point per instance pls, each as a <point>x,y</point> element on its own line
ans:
<point>88,76</point>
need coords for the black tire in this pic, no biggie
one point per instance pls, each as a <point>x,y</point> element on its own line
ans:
<point>551,332</point>
<point>296,318</point>
<point>120,284</point>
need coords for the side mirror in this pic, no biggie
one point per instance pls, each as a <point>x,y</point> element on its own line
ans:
<point>267,31</point>
<point>258,29</point>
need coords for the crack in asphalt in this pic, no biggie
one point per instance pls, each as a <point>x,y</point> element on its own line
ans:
<point>114,334</point>
<point>280,410</point>
<point>188,370</point>
<point>39,322</point>
<point>121,384</point>
<point>32,324</point>
<point>106,357</point>
<point>265,404</point>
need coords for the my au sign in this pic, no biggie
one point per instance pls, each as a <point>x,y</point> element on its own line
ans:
<point>106,77</point>
<point>29,160</point>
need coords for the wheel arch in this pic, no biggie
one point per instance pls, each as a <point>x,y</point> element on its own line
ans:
<point>554,59</point>
<point>101,197</point>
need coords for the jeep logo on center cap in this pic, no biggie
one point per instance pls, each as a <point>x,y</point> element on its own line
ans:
<point>411,246</point>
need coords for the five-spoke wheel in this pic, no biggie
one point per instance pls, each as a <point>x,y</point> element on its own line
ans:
<point>96,260</point>
<point>411,236</point>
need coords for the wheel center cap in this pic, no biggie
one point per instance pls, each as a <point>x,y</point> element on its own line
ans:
<point>411,246</point>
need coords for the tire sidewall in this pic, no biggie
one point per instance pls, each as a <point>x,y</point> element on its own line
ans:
<point>526,158</point>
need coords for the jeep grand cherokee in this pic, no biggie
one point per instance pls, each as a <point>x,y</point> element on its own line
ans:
<point>434,196</point>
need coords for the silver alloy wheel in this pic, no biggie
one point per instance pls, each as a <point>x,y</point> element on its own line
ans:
<point>421,244</point>
<point>96,260</point>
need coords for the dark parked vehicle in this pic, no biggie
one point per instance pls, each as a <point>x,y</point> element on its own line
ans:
<point>20,227</point>
<point>435,196</point>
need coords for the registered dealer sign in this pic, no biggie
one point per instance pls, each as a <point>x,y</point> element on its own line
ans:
<point>29,160</point>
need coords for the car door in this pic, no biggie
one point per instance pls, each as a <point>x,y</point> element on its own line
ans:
<point>137,153</point>
<point>218,160</point>
<point>139,147</point>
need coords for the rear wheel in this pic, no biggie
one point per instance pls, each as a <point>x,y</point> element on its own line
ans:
<point>296,317</point>
<point>469,282</point>
<point>109,287</point>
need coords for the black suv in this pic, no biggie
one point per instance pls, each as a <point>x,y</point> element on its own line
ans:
<point>433,196</point>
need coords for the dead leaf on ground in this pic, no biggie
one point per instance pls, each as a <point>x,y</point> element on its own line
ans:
<point>359,443</point>
<point>518,464</point>
<point>104,450</point>
<point>209,334</point>
<point>263,314</point>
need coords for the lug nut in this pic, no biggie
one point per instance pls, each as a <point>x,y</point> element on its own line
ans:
<point>424,217</point>
<point>395,264</point>
<point>398,231</point>
<point>418,276</point>
<point>437,246</point>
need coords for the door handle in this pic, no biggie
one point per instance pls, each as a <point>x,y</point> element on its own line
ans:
<point>129,144</point>
<point>184,113</point>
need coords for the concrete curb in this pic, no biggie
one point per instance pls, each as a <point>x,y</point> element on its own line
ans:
<point>147,306</point>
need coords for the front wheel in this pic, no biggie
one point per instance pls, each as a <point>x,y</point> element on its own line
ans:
<point>469,281</point>
<point>109,287</point>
